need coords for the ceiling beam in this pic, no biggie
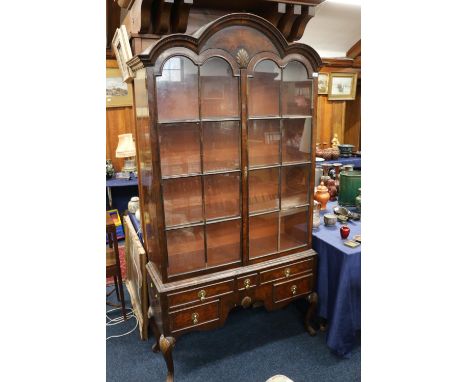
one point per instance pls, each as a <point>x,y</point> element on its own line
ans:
<point>354,51</point>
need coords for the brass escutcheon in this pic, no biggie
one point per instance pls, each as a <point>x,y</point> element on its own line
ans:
<point>287,272</point>
<point>247,283</point>
<point>293,289</point>
<point>195,318</point>
<point>202,295</point>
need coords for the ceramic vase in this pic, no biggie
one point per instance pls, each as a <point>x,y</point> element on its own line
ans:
<point>110,171</point>
<point>326,168</point>
<point>350,182</point>
<point>316,214</point>
<point>322,196</point>
<point>134,204</point>
<point>346,150</point>
<point>332,189</point>
<point>344,231</point>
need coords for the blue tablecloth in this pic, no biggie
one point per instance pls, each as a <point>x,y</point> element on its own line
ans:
<point>133,181</point>
<point>338,283</point>
<point>120,191</point>
<point>356,161</point>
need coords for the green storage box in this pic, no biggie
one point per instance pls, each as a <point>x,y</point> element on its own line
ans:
<point>350,182</point>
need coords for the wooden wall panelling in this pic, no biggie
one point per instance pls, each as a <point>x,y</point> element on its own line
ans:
<point>352,126</point>
<point>119,120</point>
<point>330,120</point>
<point>338,116</point>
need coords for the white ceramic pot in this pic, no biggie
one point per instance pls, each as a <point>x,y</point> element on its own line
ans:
<point>134,204</point>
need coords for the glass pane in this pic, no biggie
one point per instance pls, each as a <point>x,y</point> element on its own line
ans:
<point>182,200</point>
<point>294,186</point>
<point>263,234</point>
<point>185,249</point>
<point>263,189</point>
<point>220,146</point>
<point>296,140</point>
<point>223,242</point>
<point>219,90</point>
<point>296,90</point>
<point>264,139</point>
<point>293,228</point>
<point>177,90</point>
<point>222,195</point>
<point>264,90</point>
<point>179,148</point>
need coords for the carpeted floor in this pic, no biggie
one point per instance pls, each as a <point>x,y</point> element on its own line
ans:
<point>252,346</point>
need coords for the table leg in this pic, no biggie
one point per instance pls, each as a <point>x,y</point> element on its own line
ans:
<point>109,195</point>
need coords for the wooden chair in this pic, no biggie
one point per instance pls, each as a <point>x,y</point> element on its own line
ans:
<point>113,264</point>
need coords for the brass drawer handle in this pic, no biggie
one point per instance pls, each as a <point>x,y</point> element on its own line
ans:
<point>294,290</point>
<point>202,295</point>
<point>287,272</point>
<point>195,318</point>
<point>247,283</point>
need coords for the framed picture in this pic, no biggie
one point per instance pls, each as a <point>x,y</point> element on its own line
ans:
<point>118,92</point>
<point>323,83</point>
<point>342,86</point>
<point>123,52</point>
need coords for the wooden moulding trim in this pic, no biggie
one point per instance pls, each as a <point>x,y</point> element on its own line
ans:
<point>195,58</point>
<point>338,62</point>
<point>301,2</point>
<point>199,280</point>
<point>198,40</point>
<point>281,62</point>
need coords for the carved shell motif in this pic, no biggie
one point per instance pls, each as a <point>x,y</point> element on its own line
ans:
<point>242,58</point>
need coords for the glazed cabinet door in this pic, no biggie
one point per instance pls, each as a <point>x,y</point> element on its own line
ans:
<point>279,158</point>
<point>198,129</point>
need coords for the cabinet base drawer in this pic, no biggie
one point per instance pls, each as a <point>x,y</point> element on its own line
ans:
<point>292,288</point>
<point>201,293</point>
<point>194,316</point>
<point>287,271</point>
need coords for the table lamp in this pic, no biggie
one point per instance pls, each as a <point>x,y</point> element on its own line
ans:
<point>126,149</point>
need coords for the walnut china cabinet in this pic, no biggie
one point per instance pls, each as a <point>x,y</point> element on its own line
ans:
<point>225,126</point>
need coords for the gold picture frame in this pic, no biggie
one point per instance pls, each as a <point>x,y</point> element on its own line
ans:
<point>123,52</point>
<point>118,92</point>
<point>323,79</point>
<point>342,86</point>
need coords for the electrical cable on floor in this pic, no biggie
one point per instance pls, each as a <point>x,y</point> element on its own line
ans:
<point>120,320</point>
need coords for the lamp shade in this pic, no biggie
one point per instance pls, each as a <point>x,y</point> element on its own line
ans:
<point>126,146</point>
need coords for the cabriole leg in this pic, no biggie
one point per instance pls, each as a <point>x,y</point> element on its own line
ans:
<point>313,300</point>
<point>166,344</point>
